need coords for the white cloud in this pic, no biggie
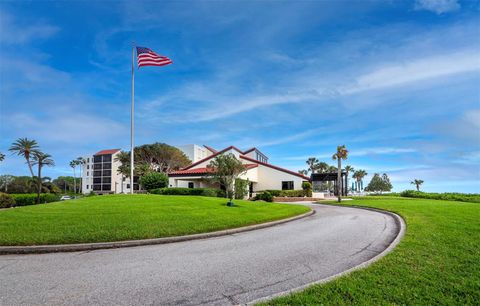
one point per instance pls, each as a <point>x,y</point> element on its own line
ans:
<point>361,152</point>
<point>437,6</point>
<point>12,32</point>
<point>415,70</point>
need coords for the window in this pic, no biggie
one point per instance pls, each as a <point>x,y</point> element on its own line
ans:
<point>87,186</point>
<point>97,166</point>
<point>97,187</point>
<point>97,173</point>
<point>88,166</point>
<point>88,173</point>
<point>287,185</point>
<point>191,185</point>
<point>97,159</point>
<point>107,180</point>
<point>107,166</point>
<point>107,158</point>
<point>107,172</point>
<point>97,180</point>
<point>106,187</point>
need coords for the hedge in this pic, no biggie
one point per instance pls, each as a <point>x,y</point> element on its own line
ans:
<point>264,196</point>
<point>205,192</point>
<point>6,200</point>
<point>463,197</point>
<point>24,199</point>
<point>287,193</point>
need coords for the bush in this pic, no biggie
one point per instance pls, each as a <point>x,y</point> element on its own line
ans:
<point>6,200</point>
<point>264,196</point>
<point>307,188</point>
<point>154,180</point>
<point>453,196</point>
<point>24,199</point>
<point>241,188</point>
<point>286,193</point>
<point>205,192</point>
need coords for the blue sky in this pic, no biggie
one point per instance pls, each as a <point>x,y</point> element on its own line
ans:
<point>396,81</point>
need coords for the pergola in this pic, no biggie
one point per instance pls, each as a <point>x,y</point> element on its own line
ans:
<point>321,179</point>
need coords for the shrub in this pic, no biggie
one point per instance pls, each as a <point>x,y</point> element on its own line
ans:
<point>205,192</point>
<point>154,180</point>
<point>6,200</point>
<point>286,193</point>
<point>24,199</point>
<point>463,197</point>
<point>241,188</point>
<point>307,188</point>
<point>264,196</point>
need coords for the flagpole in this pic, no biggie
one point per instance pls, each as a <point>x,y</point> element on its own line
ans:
<point>132,120</point>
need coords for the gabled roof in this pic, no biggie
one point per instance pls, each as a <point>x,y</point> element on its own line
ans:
<point>210,149</point>
<point>104,152</point>
<point>275,167</point>
<point>212,156</point>
<point>201,171</point>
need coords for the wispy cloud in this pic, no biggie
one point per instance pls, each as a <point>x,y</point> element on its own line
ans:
<point>359,152</point>
<point>437,6</point>
<point>14,32</point>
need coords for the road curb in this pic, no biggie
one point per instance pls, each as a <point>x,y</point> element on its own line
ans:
<point>40,249</point>
<point>402,226</point>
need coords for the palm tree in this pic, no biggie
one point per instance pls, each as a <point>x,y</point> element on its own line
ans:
<point>123,157</point>
<point>25,147</point>
<point>348,169</point>
<point>342,153</point>
<point>303,172</point>
<point>2,156</point>
<point>358,176</point>
<point>417,183</point>
<point>312,163</point>
<point>74,164</point>
<point>80,162</point>
<point>41,159</point>
<point>322,167</point>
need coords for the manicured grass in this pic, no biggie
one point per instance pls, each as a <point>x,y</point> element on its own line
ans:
<point>436,263</point>
<point>127,217</point>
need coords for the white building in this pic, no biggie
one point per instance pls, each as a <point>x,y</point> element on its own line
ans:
<point>259,172</point>
<point>100,172</point>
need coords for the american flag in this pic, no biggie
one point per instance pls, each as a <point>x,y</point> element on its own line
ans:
<point>146,57</point>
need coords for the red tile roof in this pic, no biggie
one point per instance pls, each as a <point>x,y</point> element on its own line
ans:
<point>110,151</point>
<point>212,156</point>
<point>202,170</point>
<point>210,149</point>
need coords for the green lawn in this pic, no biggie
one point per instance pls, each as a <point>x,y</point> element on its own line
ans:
<point>127,217</point>
<point>437,262</point>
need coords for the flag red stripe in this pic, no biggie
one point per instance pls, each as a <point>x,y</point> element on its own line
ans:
<point>154,59</point>
<point>164,64</point>
<point>150,58</point>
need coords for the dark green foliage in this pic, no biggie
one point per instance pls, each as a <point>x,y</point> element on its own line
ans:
<point>463,197</point>
<point>307,188</point>
<point>154,180</point>
<point>205,192</point>
<point>226,168</point>
<point>241,188</point>
<point>379,183</point>
<point>264,196</point>
<point>25,199</point>
<point>288,193</point>
<point>6,200</point>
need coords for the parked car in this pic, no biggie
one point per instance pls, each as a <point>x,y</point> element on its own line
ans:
<point>65,197</point>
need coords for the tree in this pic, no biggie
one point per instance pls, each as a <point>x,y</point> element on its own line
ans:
<point>307,188</point>
<point>358,176</point>
<point>312,164</point>
<point>123,157</point>
<point>74,164</point>
<point>6,180</point>
<point>25,147</point>
<point>2,156</point>
<point>341,154</point>
<point>64,182</point>
<point>379,183</point>
<point>303,172</point>
<point>225,168</point>
<point>41,159</point>
<point>322,167</point>
<point>80,162</point>
<point>161,157</point>
<point>348,169</point>
<point>154,180</point>
<point>417,183</point>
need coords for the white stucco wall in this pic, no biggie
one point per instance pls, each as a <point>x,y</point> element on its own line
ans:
<point>269,178</point>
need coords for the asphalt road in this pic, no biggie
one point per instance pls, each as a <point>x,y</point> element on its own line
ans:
<point>225,270</point>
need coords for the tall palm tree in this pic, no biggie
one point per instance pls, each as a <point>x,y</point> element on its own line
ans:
<point>80,162</point>
<point>2,156</point>
<point>322,167</point>
<point>123,157</point>
<point>25,147</point>
<point>341,154</point>
<point>74,164</point>
<point>417,183</point>
<point>41,159</point>
<point>358,176</point>
<point>312,163</point>
<point>348,169</point>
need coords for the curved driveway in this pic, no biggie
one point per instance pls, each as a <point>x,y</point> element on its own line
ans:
<point>225,270</point>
